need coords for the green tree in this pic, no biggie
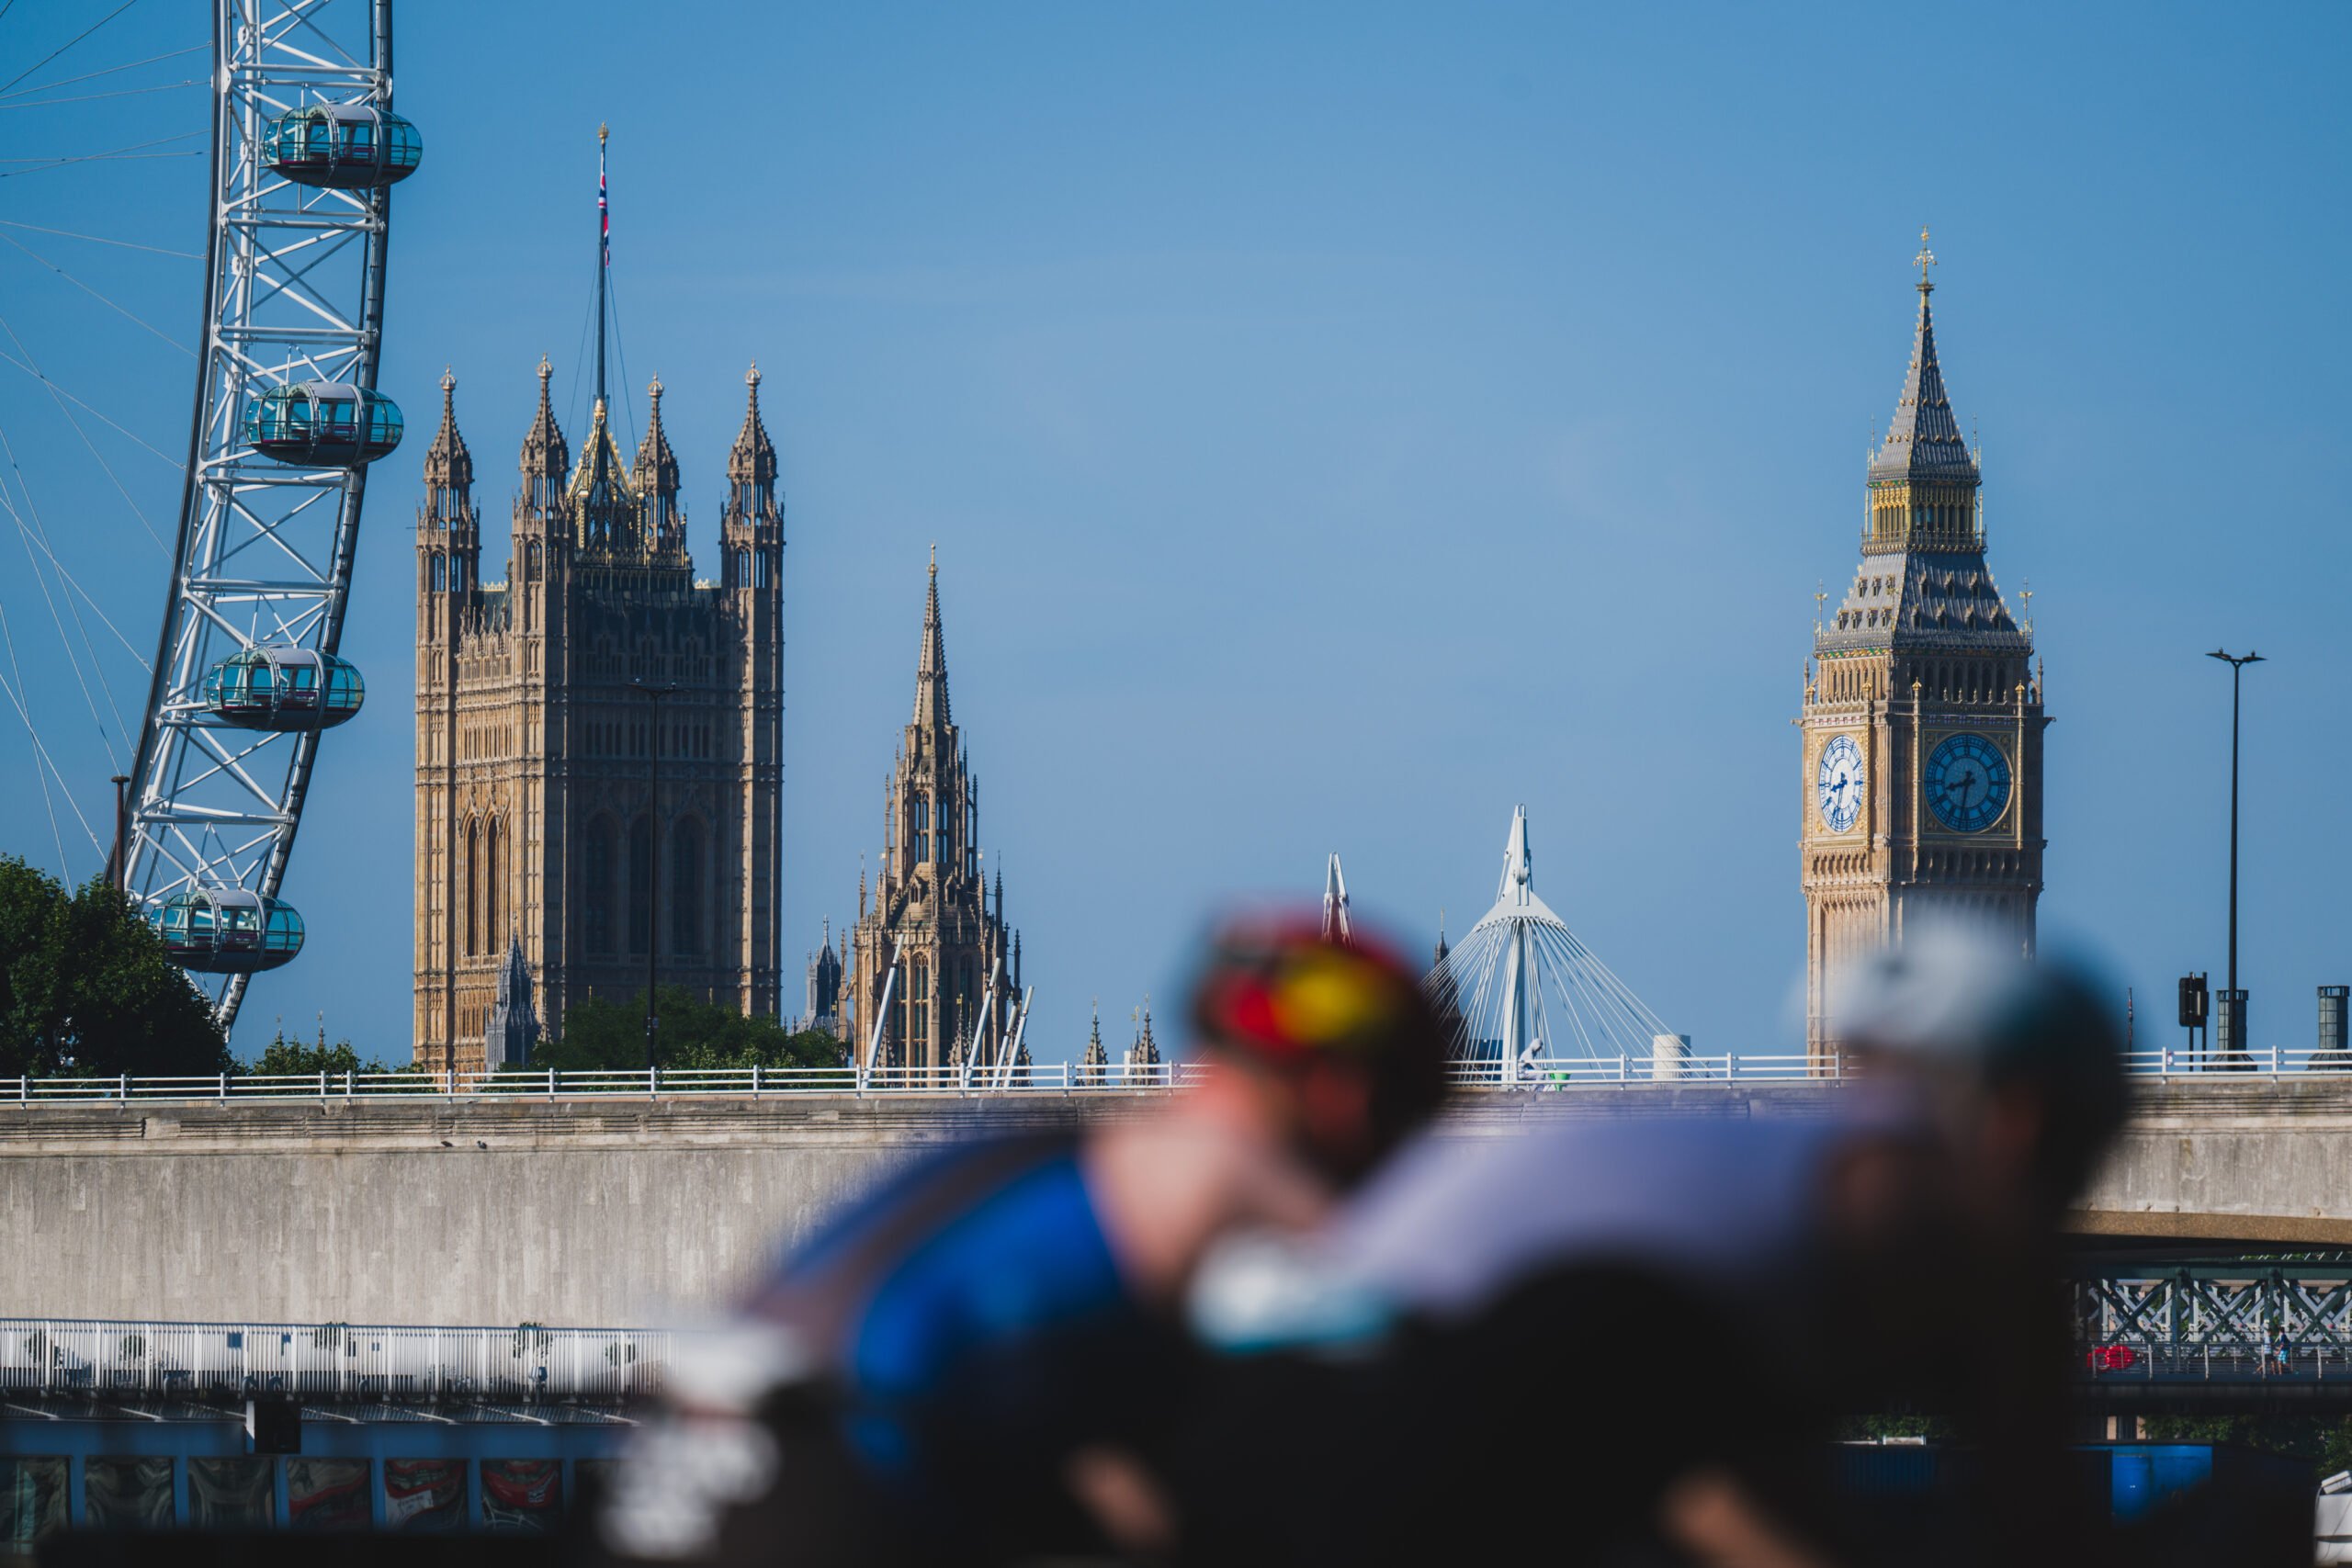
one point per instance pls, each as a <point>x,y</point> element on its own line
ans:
<point>282,1055</point>
<point>605,1036</point>
<point>86,989</point>
<point>2325,1440</point>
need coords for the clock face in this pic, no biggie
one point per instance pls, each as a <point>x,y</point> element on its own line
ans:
<point>1837,785</point>
<point>1967,783</point>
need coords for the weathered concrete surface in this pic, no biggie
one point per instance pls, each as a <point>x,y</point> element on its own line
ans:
<point>2222,1160</point>
<point>614,1212</point>
<point>591,1212</point>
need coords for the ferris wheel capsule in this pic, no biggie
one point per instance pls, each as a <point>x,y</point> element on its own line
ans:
<point>344,146</point>
<point>280,688</point>
<point>228,931</point>
<point>323,423</point>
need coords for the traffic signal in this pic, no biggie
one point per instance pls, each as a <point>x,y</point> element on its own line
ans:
<point>2193,1001</point>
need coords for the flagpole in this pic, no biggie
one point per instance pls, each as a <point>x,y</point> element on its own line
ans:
<point>603,256</point>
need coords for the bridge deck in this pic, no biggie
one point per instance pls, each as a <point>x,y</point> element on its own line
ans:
<point>621,1208</point>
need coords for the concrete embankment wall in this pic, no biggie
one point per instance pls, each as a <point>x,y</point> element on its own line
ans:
<point>585,1212</point>
<point>617,1212</point>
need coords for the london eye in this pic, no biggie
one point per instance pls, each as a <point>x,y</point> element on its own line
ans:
<point>244,682</point>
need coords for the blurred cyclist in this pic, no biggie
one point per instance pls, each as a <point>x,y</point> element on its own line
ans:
<point>967,1365</point>
<point>1486,1304</point>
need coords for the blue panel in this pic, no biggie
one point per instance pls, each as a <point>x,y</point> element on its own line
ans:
<point>2131,1479</point>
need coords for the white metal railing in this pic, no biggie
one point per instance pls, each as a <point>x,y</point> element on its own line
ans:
<point>1578,1072</point>
<point>331,1361</point>
<point>2170,1064</point>
<point>637,1084</point>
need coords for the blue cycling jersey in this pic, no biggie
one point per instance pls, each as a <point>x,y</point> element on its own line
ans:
<point>966,1294</point>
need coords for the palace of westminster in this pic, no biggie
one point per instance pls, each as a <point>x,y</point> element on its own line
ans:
<point>599,748</point>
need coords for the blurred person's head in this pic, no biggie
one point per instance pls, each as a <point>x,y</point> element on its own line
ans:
<point>1334,1040</point>
<point>2021,1058</point>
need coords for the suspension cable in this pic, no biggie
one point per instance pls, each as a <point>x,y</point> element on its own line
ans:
<point>69,44</point>
<point>117,478</point>
<point>95,294</point>
<point>107,70</point>
<point>97,238</point>
<point>81,676</point>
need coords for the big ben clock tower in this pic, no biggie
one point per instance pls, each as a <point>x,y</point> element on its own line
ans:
<point>1923,717</point>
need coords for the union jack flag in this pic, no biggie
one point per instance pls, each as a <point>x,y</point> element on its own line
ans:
<point>604,213</point>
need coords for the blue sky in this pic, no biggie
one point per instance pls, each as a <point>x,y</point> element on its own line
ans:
<point>1339,425</point>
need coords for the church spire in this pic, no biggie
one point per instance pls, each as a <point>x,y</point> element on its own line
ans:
<point>600,488</point>
<point>448,466</point>
<point>752,460</point>
<point>655,477</point>
<point>930,673</point>
<point>546,454</point>
<point>1923,441</point>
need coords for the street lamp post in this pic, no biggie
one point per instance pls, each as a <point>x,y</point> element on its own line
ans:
<point>655,692</point>
<point>2234,999</point>
<point>118,864</point>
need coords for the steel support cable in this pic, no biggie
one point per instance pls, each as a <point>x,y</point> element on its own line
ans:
<point>94,75</point>
<point>1556,953</point>
<point>124,490</point>
<point>620,352</point>
<point>129,151</point>
<point>98,240</point>
<point>95,97</point>
<point>96,294</point>
<point>1472,999</point>
<point>81,676</point>
<point>75,583</point>
<point>69,44</point>
<point>580,356</point>
<point>9,641</point>
<point>1603,1018</point>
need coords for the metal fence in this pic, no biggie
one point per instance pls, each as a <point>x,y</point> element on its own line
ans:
<point>2131,1363</point>
<point>329,1360</point>
<point>2166,1065</point>
<point>639,1084</point>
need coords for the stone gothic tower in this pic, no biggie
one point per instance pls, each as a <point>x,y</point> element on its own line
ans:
<point>953,955</point>
<point>1923,719</point>
<point>549,780</point>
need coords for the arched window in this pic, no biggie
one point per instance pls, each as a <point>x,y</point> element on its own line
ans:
<point>531,558</point>
<point>923,828</point>
<point>686,889</point>
<point>597,885</point>
<point>440,573</point>
<point>473,887</point>
<point>495,914</point>
<point>640,884</point>
<point>918,1001</point>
